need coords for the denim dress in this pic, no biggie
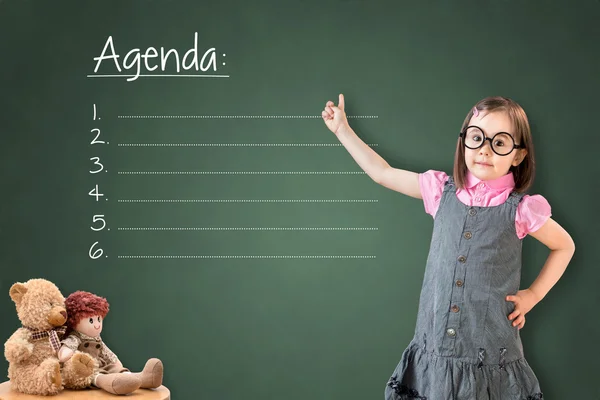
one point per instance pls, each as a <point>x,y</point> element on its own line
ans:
<point>464,346</point>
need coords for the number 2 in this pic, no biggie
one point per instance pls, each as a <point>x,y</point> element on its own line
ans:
<point>97,136</point>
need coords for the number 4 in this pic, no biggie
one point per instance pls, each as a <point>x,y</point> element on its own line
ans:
<point>95,192</point>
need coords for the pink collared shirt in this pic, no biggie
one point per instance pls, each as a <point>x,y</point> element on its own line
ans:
<point>532,212</point>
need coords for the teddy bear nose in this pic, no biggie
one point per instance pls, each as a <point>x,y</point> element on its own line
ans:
<point>63,313</point>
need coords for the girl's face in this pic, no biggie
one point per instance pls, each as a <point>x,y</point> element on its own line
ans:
<point>483,162</point>
<point>91,326</point>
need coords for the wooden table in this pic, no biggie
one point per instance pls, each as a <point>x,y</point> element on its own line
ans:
<point>160,393</point>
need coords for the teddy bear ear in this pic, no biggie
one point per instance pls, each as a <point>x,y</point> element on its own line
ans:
<point>17,291</point>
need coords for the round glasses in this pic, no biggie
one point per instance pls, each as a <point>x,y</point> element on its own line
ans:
<point>501,143</point>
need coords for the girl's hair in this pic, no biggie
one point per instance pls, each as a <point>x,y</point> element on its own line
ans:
<point>523,173</point>
<point>81,305</point>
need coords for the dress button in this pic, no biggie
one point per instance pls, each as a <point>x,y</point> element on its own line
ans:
<point>468,235</point>
<point>478,199</point>
<point>472,211</point>
<point>481,185</point>
<point>459,283</point>
<point>451,332</point>
<point>455,308</point>
<point>462,259</point>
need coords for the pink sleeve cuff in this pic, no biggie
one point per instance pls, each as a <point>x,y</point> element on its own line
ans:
<point>431,184</point>
<point>532,212</point>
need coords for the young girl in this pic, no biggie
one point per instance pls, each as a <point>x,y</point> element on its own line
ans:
<point>466,343</point>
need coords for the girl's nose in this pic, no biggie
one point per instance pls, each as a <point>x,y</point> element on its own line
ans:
<point>485,149</point>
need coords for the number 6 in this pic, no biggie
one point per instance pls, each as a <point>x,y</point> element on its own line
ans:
<point>95,255</point>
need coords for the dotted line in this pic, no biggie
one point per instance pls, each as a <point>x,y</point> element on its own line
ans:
<point>233,144</point>
<point>244,201</point>
<point>241,172</point>
<point>246,256</point>
<point>235,116</point>
<point>242,229</point>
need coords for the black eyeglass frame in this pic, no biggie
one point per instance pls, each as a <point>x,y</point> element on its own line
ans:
<point>462,135</point>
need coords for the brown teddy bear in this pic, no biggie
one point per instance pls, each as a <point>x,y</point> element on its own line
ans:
<point>32,351</point>
<point>86,313</point>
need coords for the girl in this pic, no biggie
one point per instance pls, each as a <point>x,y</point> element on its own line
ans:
<point>466,343</point>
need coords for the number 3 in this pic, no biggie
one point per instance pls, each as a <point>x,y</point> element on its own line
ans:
<point>97,162</point>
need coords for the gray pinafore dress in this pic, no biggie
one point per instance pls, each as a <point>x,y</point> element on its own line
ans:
<point>464,346</point>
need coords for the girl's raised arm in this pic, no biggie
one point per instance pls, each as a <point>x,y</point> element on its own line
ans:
<point>405,182</point>
<point>400,180</point>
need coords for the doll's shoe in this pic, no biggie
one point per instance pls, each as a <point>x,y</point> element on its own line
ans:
<point>118,383</point>
<point>152,374</point>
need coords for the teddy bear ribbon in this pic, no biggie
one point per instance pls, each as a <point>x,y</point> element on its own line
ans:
<point>52,334</point>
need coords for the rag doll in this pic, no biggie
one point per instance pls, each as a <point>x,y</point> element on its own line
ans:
<point>86,312</point>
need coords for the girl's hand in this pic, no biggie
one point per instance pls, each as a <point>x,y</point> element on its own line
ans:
<point>335,117</point>
<point>524,301</point>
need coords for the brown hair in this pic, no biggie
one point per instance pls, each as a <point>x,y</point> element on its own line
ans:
<point>81,305</point>
<point>523,173</point>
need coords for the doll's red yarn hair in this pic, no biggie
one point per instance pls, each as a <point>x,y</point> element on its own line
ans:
<point>81,305</point>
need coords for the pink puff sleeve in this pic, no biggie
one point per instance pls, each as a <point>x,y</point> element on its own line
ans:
<point>532,212</point>
<point>432,183</point>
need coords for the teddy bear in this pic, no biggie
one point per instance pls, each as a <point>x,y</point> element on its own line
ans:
<point>86,312</point>
<point>32,350</point>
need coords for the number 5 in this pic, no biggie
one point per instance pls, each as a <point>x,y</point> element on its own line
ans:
<point>98,217</point>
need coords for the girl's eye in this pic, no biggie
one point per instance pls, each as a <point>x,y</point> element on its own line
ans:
<point>499,143</point>
<point>98,319</point>
<point>91,320</point>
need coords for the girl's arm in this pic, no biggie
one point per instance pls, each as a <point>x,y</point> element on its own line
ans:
<point>405,182</point>
<point>562,248</point>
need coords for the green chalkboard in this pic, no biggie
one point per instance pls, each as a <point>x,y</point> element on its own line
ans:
<point>233,235</point>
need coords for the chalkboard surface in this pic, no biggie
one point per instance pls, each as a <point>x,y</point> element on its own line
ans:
<point>171,157</point>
